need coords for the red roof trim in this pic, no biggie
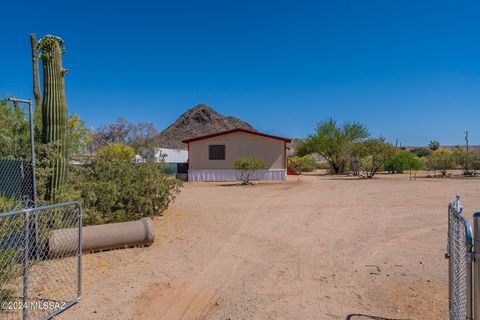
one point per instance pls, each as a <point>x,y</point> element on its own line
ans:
<point>236,130</point>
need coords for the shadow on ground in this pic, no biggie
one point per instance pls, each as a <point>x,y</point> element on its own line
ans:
<point>358,316</point>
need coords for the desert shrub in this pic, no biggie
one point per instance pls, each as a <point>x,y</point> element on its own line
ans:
<point>9,268</point>
<point>421,152</point>
<point>376,153</point>
<point>468,161</point>
<point>441,159</point>
<point>302,164</point>
<point>114,189</point>
<point>401,161</point>
<point>475,161</point>
<point>247,165</point>
<point>14,131</point>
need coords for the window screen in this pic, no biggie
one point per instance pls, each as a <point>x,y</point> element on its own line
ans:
<point>216,152</point>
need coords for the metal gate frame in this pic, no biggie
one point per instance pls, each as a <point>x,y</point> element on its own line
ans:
<point>463,252</point>
<point>22,224</point>
<point>25,248</point>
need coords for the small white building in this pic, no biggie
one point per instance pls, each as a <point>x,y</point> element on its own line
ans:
<point>164,155</point>
<point>171,155</point>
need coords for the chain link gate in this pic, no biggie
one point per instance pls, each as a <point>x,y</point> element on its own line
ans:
<point>17,165</point>
<point>40,261</point>
<point>40,246</point>
<point>463,252</point>
<point>459,253</point>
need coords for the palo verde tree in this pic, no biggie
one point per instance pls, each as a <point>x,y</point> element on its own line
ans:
<point>54,109</point>
<point>334,142</point>
<point>376,153</point>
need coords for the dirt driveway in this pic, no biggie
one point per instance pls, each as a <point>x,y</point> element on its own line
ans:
<point>313,248</point>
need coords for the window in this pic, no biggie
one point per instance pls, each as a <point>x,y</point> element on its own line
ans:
<point>216,152</point>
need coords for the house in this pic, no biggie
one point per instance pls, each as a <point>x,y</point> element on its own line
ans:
<point>211,157</point>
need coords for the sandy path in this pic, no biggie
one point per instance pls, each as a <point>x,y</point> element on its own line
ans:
<point>318,248</point>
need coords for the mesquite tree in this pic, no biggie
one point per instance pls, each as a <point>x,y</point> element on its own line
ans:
<point>54,110</point>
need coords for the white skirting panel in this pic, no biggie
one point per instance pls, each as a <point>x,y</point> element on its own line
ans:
<point>232,175</point>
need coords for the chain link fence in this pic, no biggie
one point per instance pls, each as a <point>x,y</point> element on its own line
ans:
<point>459,253</point>
<point>40,261</point>
<point>16,184</point>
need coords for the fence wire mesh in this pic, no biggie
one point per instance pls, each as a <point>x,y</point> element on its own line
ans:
<point>40,261</point>
<point>460,263</point>
<point>16,184</point>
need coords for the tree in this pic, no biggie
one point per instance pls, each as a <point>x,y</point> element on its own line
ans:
<point>116,152</point>
<point>14,132</point>
<point>333,142</point>
<point>441,159</point>
<point>376,151</point>
<point>356,152</point>
<point>138,135</point>
<point>434,145</point>
<point>248,165</point>
<point>78,135</point>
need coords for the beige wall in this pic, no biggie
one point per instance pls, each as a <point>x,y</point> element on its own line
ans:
<point>237,144</point>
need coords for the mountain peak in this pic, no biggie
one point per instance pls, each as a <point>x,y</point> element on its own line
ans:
<point>197,121</point>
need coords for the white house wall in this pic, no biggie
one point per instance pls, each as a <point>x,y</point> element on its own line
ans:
<point>233,175</point>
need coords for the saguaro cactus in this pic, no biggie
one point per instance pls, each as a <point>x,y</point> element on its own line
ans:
<point>54,109</point>
<point>36,87</point>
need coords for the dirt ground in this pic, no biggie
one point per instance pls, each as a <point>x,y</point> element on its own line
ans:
<point>314,247</point>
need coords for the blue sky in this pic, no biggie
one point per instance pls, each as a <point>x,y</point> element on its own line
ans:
<point>407,69</point>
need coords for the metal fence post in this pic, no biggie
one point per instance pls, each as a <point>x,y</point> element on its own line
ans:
<point>476,266</point>
<point>80,250</point>
<point>469,276</point>
<point>25,265</point>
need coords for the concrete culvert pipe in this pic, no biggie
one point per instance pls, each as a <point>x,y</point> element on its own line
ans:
<point>102,237</point>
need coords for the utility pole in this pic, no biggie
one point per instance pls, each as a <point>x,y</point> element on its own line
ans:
<point>466,138</point>
<point>467,155</point>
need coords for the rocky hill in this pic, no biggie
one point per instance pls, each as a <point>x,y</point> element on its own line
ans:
<point>198,121</point>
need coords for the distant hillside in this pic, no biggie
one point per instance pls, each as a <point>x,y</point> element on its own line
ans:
<point>198,121</point>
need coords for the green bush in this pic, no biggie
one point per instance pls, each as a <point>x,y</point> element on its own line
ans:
<point>247,165</point>
<point>441,159</point>
<point>14,132</point>
<point>401,161</point>
<point>302,164</point>
<point>421,152</point>
<point>468,161</point>
<point>113,189</point>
